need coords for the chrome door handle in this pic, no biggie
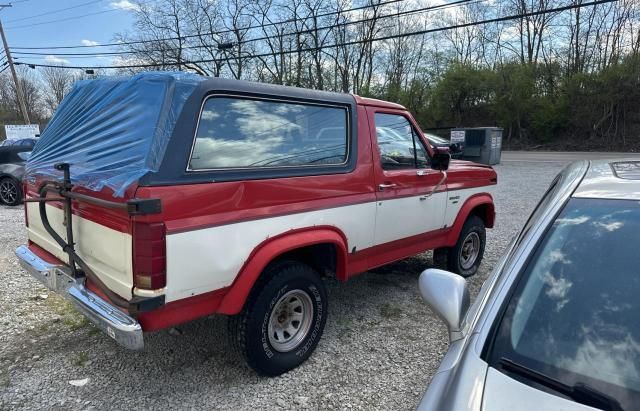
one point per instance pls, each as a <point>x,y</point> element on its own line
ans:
<point>381,187</point>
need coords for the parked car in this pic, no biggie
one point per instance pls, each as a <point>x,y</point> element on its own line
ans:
<point>439,142</point>
<point>22,142</point>
<point>12,161</point>
<point>256,193</point>
<point>555,326</point>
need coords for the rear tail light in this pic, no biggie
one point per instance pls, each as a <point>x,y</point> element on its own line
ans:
<point>149,255</point>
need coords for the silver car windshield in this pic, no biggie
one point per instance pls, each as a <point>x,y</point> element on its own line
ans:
<point>575,312</point>
<point>24,155</point>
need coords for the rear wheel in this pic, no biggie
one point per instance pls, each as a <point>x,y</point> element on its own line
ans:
<point>282,320</point>
<point>465,257</point>
<point>10,191</point>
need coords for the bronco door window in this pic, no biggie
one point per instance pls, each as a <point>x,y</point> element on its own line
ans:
<point>236,132</point>
<point>399,144</point>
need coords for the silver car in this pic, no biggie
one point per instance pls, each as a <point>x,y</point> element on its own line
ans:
<point>556,326</point>
<point>12,162</point>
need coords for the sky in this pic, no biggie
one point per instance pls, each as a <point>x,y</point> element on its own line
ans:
<point>43,23</point>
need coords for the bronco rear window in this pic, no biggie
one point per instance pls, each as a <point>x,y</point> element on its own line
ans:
<point>238,132</point>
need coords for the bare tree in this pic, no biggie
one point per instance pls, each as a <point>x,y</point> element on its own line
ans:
<point>236,49</point>
<point>58,82</point>
<point>531,28</point>
<point>32,94</point>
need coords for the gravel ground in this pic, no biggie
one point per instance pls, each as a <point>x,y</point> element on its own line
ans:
<point>379,350</point>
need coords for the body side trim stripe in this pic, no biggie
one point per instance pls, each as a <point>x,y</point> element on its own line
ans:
<point>233,217</point>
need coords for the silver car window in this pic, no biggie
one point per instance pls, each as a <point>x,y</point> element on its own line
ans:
<point>574,312</point>
<point>24,155</point>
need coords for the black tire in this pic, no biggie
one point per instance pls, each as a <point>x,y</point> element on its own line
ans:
<point>472,228</point>
<point>440,257</point>
<point>10,191</point>
<point>249,330</point>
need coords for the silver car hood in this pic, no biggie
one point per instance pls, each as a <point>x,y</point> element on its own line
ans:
<point>458,384</point>
<point>504,393</point>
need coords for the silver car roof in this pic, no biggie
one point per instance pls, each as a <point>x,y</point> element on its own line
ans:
<point>611,179</point>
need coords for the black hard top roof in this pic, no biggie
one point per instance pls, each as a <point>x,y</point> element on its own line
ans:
<point>220,85</point>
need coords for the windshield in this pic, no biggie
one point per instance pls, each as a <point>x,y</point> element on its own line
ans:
<point>574,312</point>
<point>24,155</point>
<point>436,139</point>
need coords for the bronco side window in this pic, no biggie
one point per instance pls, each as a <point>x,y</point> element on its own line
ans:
<point>399,144</point>
<point>236,132</point>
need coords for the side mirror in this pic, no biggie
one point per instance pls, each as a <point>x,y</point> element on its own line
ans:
<point>440,159</point>
<point>447,295</point>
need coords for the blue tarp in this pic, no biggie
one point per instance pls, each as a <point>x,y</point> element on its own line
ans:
<point>112,130</point>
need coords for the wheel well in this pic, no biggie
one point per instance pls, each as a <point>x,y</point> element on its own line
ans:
<point>321,257</point>
<point>3,176</point>
<point>485,212</point>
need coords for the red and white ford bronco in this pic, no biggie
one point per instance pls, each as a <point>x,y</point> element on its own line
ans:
<point>258,192</point>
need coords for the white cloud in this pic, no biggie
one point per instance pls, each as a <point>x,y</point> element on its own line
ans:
<point>605,355</point>
<point>558,288</point>
<point>51,59</point>
<point>89,43</point>
<point>125,5</point>
<point>572,221</point>
<point>214,153</point>
<point>127,61</point>
<point>511,33</point>
<point>612,226</point>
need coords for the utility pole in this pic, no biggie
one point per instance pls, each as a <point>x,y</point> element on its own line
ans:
<point>23,106</point>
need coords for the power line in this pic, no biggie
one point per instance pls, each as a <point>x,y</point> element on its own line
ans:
<point>97,54</point>
<point>53,11</point>
<point>349,43</point>
<point>250,27</point>
<point>63,19</point>
<point>457,3</point>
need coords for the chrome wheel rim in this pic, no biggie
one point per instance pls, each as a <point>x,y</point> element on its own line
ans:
<point>470,250</point>
<point>290,320</point>
<point>8,192</point>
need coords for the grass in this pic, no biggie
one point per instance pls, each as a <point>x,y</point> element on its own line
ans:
<point>80,359</point>
<point>390,311</point>
<point>344,321</point>
<point>68,314</point>
<point>94,331</point>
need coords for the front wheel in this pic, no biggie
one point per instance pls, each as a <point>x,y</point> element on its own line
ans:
<point>282,320</point>
<point>465,257</point>
<point>10,192</point>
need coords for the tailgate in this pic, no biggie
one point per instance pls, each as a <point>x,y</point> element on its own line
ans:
<point>102,239</point>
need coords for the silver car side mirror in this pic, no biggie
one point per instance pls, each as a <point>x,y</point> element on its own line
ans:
<point>447,295</point>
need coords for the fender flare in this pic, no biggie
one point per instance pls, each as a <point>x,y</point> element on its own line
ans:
<point>271,249</point>
<point>11,176</point>
<point>476,200</point>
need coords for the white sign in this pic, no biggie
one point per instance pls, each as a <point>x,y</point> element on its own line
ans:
<point>20,131</point>
<point>496,139</point>
<point>457,136</point>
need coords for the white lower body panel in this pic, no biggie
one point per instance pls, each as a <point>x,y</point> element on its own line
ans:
<point>108,252</point>
<point>208,259</point>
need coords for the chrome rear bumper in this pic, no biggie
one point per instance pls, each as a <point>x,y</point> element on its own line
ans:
<point>118,325</point>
